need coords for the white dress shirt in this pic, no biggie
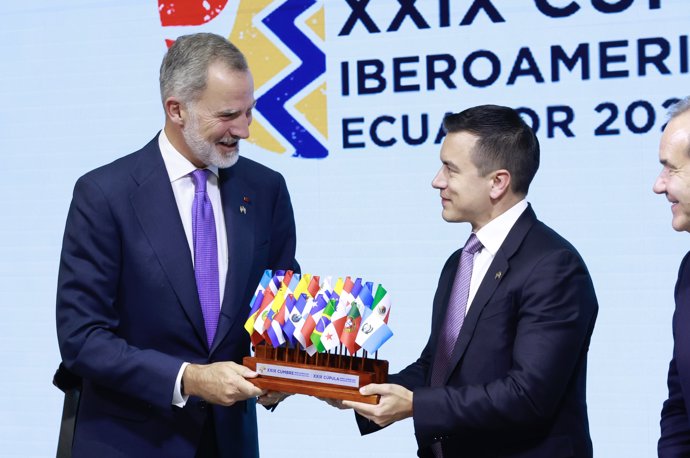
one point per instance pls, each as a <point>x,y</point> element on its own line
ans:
<point>179,170</point>
<point>492,236</point>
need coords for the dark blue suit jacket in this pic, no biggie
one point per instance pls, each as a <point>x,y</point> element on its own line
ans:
<point>128,312</point>
<point>517,387</point>
<point>675,423</point>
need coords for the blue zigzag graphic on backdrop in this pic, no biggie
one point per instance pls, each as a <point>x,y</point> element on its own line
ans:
<point>272,103</point>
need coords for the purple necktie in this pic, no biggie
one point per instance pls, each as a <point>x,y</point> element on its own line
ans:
<point>455,314</point>
<point>455,317</point>
<point>205,254</point>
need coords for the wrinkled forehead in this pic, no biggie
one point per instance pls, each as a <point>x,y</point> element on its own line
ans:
<point>676,137</point>
<point>229,89</point>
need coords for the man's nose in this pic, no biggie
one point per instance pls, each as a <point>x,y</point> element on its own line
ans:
<point>438,182</point>
<point>659,186</point>
<point>240,128</point>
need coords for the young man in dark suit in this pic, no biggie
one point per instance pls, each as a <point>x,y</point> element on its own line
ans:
<point>162,251</point>
<point>504,371</point>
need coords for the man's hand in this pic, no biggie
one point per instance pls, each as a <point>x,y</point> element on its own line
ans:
<point>337,403</point>
<point>395,403</point>
<point>220,383</point>
<point>271,398</point>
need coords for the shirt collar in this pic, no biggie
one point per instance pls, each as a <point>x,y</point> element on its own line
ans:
<point>495,231</point>
<point>176,164</point>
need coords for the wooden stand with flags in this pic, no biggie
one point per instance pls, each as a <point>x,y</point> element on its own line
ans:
<point>292,316</point>
<point>324,375</point>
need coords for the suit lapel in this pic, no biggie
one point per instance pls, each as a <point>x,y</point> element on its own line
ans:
<point>238,200</point>
<point>445,285</point>
<point>497,273</point>
<point>481,298</point>
<point>155,207</point>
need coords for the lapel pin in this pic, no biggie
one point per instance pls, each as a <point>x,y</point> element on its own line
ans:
<point>243,210</point>
<point>245,199</point>
<point>498,276</point>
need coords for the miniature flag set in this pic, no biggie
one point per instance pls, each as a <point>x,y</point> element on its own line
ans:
<point>301,328</point>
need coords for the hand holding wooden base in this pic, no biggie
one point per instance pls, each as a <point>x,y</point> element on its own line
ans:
<point>324,375</point>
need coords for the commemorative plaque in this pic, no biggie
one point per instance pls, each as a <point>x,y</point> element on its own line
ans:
<point>291,370</point>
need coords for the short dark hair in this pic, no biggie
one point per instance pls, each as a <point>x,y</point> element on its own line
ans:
<point>184,70</point>
<point>505,141</point>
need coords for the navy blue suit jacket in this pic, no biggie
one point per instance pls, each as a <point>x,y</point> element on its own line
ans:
<point>128,312</point>
<point>517,383</point>
<point>675,423</point>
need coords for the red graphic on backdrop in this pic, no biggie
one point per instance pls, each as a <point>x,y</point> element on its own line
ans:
<point>189,12</point>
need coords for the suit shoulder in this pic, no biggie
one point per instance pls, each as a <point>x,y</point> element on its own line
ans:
<point>256,173</point>
<point>121,167</point>
<point>253,167</point>
<point>683,273</point>
<point>112,171</point>
<point>684,264</point>
<point>542,242</point>
<point>548,238</point>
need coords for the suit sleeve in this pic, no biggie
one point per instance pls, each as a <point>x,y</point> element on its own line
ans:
<point>416,374</point>
<point>284,236</point>
<point>411,377</point>
<point>555,311</point>
<point>675,424</point>
<point>87,308</point>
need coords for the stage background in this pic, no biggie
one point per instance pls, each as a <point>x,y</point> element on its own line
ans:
<point>79,88</point>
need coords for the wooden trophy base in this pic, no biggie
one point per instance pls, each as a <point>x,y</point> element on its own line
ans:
<point>323,375</point>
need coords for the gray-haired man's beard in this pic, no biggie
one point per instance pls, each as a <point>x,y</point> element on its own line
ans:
<point>203,150</point>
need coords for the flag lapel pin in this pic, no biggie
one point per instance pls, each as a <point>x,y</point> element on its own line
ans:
<point>243,208</point>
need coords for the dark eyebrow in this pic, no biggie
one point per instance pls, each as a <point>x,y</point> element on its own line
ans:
<point>450,165</point>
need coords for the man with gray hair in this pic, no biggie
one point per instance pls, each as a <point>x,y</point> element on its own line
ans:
<point>161,254</point>
<point>674,183</point>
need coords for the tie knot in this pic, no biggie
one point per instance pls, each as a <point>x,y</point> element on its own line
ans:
<point>473,244</point>
<point>199,176</point>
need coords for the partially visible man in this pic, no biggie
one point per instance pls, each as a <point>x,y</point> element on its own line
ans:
<point>161,254</point>
<point>504,371</point>
<point>674,183</point>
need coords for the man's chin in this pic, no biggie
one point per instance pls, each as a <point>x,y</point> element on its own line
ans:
<point>450,217</point>
<point>226,160</point>
<point>680,227</point>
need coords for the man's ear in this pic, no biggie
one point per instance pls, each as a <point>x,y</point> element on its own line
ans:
<point>174,110</point>
<point>500,183</point>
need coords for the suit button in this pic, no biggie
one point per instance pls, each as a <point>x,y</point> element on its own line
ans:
<point>202,405</point>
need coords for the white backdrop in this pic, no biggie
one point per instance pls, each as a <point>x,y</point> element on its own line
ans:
<point>79,88</point>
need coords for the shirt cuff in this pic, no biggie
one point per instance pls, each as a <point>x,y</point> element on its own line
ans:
<point>179,400</point>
